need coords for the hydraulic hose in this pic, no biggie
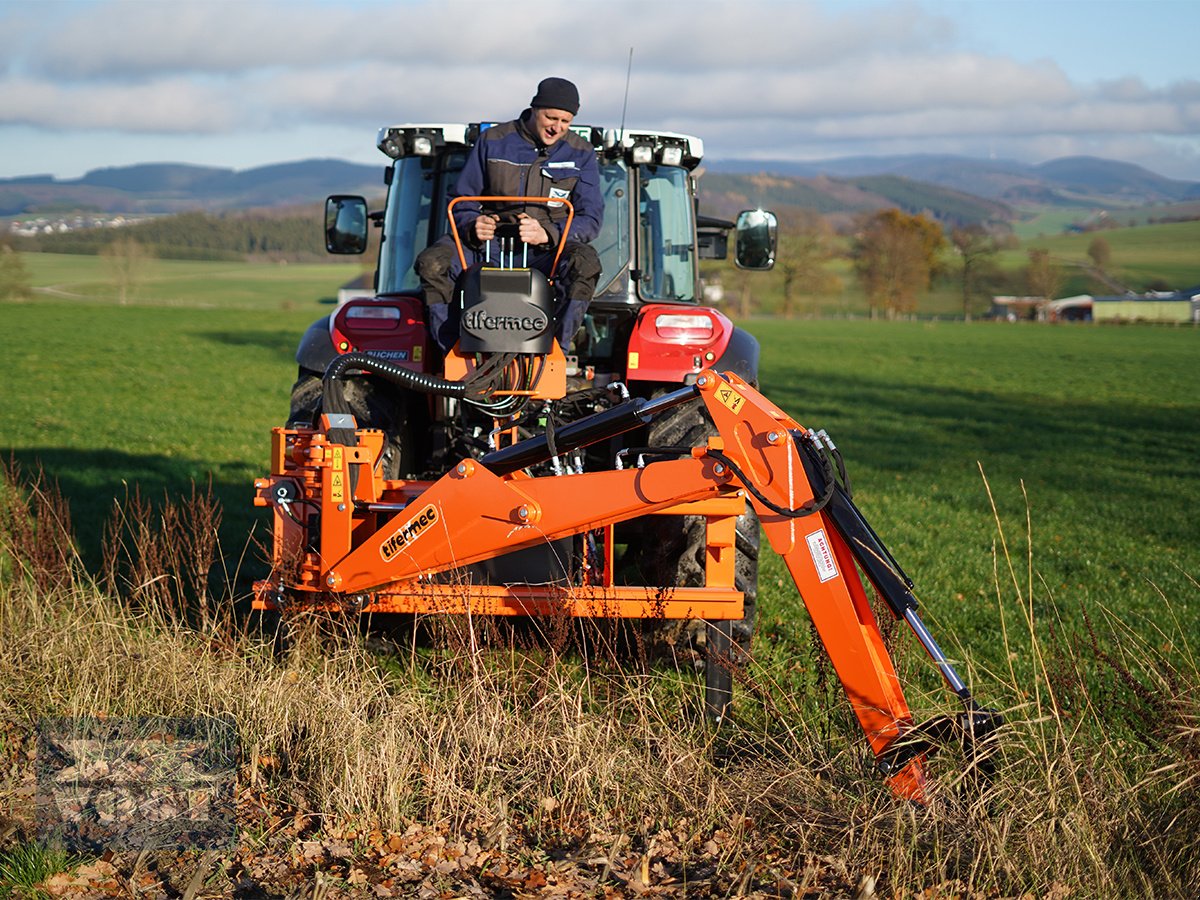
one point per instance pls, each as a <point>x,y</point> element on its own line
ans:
<point>398,375</point>
<point>334,403</point>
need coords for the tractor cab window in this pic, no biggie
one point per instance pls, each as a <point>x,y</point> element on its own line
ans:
<point>416,200</point>
<point>665,220</point>
<point>612,244</point>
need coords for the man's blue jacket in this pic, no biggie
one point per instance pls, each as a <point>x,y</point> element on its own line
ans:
<point>509,161</point>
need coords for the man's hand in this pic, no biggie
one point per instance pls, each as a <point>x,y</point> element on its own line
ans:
<point>485,227</point>
<point>532,231</point>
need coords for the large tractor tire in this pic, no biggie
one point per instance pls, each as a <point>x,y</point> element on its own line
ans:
<point>374,405</point>
<point>672,553</point>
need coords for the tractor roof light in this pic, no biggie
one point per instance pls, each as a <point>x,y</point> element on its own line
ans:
<point>401,142</point>
<point>671,154</point>
<point>690,328</point>
<point>391,144</point>
<point>641,154</point>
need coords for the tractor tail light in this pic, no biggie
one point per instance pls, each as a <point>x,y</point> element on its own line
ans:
<point>374,318</point>
<point>684,329</point>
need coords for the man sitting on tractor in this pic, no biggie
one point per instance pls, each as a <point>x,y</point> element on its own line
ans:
<point>535,155</point>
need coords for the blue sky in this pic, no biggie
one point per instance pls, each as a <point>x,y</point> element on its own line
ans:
<point>239,83</point>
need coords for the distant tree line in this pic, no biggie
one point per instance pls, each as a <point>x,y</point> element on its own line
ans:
<point>895,258</point>
<point>198,235</point>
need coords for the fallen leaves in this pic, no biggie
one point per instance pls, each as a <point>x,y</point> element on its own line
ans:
<point>286,851</point>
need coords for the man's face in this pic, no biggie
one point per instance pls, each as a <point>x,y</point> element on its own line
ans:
<point>550,124</point>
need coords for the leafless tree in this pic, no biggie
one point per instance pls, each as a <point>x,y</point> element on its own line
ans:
<point>1100,253</point>
<point>126,260</point>
<point>976,250</point>
<point>1043,276</point>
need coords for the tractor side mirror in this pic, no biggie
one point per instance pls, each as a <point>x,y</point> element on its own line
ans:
<point>345,224</point>
<point>756,236</point>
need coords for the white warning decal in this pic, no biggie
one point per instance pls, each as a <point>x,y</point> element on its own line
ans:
<point>818,546</point>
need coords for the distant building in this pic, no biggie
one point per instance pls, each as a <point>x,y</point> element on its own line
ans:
<point>1178,307</point>
<point>1068,309</point>
<point>1014,309</point>
<point>1169,307</point>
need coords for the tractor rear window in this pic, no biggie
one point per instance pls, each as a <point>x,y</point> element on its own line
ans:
<point>665,219</point>
<point>416,201</point>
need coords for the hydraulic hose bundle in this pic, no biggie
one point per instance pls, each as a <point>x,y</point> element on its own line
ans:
<point>475,389</point>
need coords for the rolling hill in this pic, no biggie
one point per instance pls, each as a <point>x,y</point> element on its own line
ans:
<point>1070,181</point>
<point>956,190</point>
<point>172,187</point>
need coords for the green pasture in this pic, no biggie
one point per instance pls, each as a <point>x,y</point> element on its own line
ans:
<point>1087,438</point>
<point>1169,252</point>
<point>179,386</point>
<point>1089,433</point>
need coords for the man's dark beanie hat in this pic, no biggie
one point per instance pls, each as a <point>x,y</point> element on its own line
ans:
<point>556,93</point>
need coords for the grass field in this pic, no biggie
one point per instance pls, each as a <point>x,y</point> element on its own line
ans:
<point>179,385</point>
<point>1088,439</point>
<point>1097,425</point>
<point>1139,255</point>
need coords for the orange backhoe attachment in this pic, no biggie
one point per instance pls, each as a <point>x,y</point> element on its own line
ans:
<point>343,534</point>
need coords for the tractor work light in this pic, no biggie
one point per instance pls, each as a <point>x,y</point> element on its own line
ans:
<point>410,141</point>
<point>641,154</point>
<point>684,329</point>
<point>391,147</point>
<point>671,155</point>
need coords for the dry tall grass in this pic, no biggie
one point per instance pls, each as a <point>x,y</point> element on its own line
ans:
<point>1098,793</point>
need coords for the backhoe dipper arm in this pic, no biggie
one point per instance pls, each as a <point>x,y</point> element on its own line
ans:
<point>765,446</point>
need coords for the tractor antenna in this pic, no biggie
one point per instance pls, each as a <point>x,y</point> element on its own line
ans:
<point>625,105</point>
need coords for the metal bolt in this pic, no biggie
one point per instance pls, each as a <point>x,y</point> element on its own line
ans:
<point>331,580</point>
<point>702,381</point>
<point>719,469</point>
<point>523,512</point>
<point>341,507</point>
<point>772,437</point>
<point>462,468</point>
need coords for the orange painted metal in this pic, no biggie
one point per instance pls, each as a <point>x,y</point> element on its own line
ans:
<point>542,201</point>
<point>388,551</point>
<point>819,561</point>
<point>551,374</point>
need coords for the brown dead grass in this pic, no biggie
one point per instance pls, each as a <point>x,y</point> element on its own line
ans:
<point>1097,796</point>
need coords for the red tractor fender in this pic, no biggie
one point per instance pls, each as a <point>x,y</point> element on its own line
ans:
<point>673,343</point>
<point>391,328</point>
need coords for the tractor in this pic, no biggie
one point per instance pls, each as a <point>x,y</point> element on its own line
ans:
<point>628,474</point>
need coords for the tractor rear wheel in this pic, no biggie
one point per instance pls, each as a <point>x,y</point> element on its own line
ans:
<point>672,553</point>
<point>374,405</point>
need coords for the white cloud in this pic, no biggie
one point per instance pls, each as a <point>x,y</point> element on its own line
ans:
<point>792,77</point>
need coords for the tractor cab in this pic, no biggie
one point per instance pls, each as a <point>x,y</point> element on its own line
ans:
<point>649,247</point>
